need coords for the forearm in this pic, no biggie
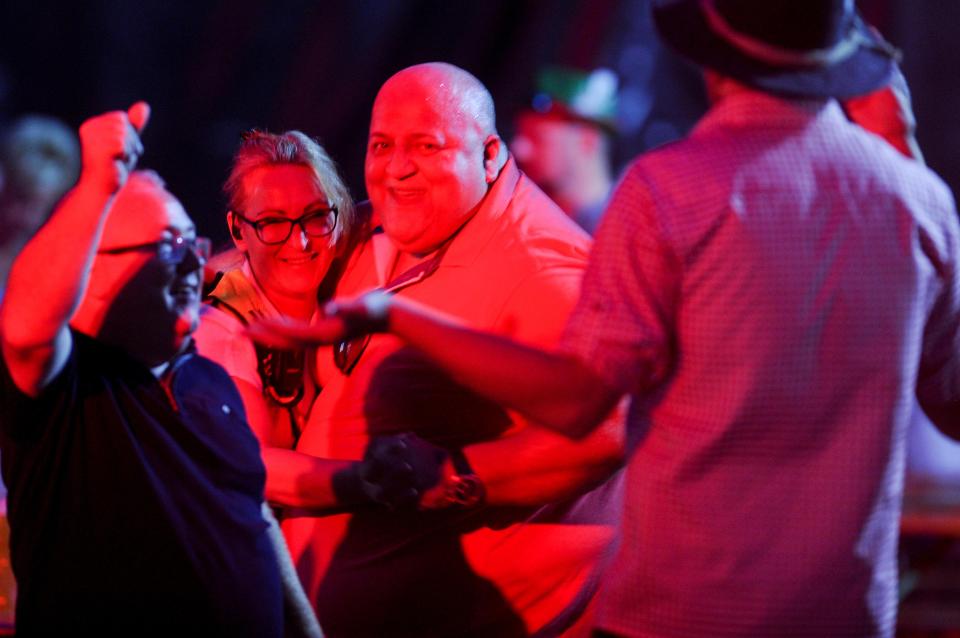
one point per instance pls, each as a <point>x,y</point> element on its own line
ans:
<point>49,276</point>
<point>295,479</point>
<point>535,467</point>
<point>547,388</point>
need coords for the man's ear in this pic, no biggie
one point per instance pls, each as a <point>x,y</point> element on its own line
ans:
<point>494,157</point>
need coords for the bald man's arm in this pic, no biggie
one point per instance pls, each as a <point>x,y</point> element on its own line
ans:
<point>48,278</point>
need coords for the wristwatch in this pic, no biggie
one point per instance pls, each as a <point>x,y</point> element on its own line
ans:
<point>463,487</point>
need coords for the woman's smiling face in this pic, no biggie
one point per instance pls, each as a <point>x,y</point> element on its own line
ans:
<point>294,268</point>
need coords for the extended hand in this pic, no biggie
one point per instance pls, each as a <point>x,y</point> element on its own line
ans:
<point>110,146</point>
<point>394,472</point>
<point>343,320</point>
<point>289,334</point>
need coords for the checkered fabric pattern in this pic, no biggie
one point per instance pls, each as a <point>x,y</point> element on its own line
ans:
<point>768,290</point>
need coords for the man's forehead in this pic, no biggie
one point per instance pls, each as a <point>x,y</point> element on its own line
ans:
<point>410,114</point>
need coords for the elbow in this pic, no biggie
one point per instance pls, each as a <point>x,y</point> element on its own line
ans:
<point>579,420</point>
<point>22,332</point>
<point>946,417</point>
<point>581,404</point>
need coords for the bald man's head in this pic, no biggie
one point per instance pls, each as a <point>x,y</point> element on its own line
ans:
<point>454,92</point>
<point>432,155</point>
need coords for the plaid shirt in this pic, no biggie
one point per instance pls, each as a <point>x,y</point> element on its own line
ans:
<point>769,291</point>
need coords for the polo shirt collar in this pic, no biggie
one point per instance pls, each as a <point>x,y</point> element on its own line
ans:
<point>477,232</point>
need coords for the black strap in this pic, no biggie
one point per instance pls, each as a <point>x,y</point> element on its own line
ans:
<point>347,352</point>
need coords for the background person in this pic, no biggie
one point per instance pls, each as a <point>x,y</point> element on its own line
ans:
<point>39,161</point>
<point>562,140</point>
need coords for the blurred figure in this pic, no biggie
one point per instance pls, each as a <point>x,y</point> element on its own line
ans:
<point>39,161</point>
<point>562,140</point>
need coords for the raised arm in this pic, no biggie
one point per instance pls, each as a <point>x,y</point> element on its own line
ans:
<point>49,277</point>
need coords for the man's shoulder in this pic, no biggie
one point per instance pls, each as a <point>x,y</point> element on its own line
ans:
<point>534,229</point>
<point>204,374</point>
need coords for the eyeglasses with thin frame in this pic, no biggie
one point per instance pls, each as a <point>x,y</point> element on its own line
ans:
<point>170,251</point>
<point>272,228</point>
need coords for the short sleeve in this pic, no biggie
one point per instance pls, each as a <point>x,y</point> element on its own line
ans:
<point>23,416</point>
<point>221,338</point>
<point>623,325</point>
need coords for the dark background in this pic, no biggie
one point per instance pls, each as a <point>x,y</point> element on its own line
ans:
<point>213,68</point>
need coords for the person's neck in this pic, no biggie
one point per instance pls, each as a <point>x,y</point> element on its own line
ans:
<point>300,307</point>
<point>155,355</point>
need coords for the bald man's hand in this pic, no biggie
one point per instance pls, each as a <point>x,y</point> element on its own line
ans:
<point>110,147</point>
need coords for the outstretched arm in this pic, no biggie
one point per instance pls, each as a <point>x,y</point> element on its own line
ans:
<point>49,277</point>
<point>548,388</point>
<point>551,389</point>
<point>536,466</point>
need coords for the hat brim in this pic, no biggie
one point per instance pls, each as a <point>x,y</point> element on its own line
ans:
<point>683,26</point>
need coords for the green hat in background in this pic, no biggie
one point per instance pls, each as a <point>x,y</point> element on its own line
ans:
<point>572,94</point>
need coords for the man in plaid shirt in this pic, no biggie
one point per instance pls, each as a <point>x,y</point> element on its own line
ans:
<point>777,293</point>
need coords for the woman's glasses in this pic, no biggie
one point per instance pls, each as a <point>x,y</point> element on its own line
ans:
<point>272,228</point>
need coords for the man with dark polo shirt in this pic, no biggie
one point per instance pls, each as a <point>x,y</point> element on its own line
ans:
<point>135,484</point>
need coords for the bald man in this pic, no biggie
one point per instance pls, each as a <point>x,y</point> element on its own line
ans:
<point>504,539</point>
<point>135,482</point>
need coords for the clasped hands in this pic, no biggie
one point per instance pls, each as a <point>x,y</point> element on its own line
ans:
<point>399,472</point>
